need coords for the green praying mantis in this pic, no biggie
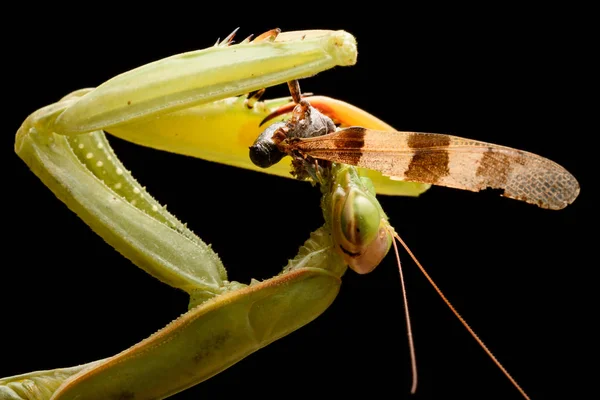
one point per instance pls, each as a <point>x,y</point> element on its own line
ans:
<point>165,105</point>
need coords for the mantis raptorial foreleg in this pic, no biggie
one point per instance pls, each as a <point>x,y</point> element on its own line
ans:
<point>64,146</point>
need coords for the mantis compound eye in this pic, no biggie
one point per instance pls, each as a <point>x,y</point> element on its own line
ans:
<point>264,152</point>
<point>360,230</point>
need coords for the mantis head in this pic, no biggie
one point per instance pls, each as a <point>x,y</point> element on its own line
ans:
<point>359,226</point>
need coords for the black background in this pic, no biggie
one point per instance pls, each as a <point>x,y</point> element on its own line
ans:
<point>514,271</point>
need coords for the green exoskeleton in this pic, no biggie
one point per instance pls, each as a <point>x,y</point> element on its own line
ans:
<point>64,146</point>
<point>176,104</point>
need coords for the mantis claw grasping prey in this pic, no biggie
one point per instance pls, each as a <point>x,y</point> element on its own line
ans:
<point>179,104</point>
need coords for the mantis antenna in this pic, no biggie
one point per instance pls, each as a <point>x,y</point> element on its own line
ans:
<point>411,344</point>
<point>460,318</point>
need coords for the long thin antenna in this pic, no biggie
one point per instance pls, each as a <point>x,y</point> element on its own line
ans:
<point>411,344</point>
<point>439,292</point>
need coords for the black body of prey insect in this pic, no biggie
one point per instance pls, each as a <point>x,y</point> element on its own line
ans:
<point>306,122</point>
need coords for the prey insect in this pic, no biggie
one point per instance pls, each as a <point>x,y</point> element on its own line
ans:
<point>418,157</point>
<point>177,104</point>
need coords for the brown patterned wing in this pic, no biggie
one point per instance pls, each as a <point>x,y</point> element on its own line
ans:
<point>448,161</point>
